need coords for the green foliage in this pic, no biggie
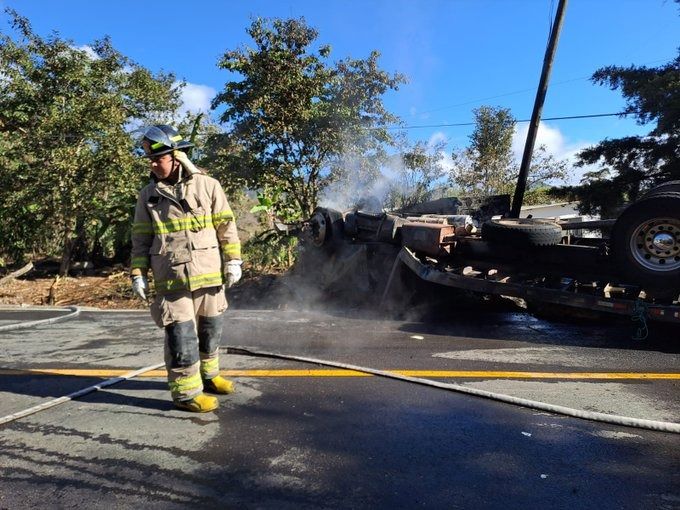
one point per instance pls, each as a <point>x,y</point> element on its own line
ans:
<point>68,177</point>
<point>485,167</point>
<point>272,201</point>
<point>488,167</point>
<point>293,113</point>
<point>418,173</point>
<point>538,196</point>
<point>544,170</point>
<point>272,249</point>
<point>264,205</point>
<point>269,251</point>
<point>198,129</point>
<point>629,165</point>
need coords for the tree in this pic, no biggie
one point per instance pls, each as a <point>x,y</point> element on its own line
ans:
<point>293,114</point>
<point>68,176</point>
<point>628,165</point>
<point>544,171</point>
<point>485,167</point>
<point>418,172</point>
<point>488,167</point>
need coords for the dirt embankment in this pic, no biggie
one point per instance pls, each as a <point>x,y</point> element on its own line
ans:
<point>110,289</point>
<point>101,291</point>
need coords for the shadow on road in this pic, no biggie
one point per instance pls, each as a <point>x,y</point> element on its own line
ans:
<point>49,386</point>
<point>338,446</point>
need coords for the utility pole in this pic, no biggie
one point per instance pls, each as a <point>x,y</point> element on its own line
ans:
<point>538,108</point>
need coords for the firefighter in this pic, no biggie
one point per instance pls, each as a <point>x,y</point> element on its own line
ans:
<point>184,231</point>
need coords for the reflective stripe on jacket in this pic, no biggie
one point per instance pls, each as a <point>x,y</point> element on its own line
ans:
<point>185,242</point>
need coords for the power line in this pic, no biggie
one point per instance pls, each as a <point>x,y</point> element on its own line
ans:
<point>529,89</point>
<point>569,117</point>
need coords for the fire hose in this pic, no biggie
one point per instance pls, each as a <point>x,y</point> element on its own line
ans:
<point>626,421</point>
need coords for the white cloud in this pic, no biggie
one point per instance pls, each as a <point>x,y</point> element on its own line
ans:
<point>196,98</point>
<point>556,144</point>
<point>88,50</point>
<point>445,160</point>
<point>436,138</point>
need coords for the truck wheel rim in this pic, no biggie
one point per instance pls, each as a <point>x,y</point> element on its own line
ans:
<point>318,225</point>
<point>655,244</point>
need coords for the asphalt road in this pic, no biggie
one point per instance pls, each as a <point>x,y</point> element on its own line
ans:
<point>298,435</point>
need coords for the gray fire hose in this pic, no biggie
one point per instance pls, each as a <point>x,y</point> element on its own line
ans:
<point>613,419</point>
<point>75,311</point>
<point>532,404</point>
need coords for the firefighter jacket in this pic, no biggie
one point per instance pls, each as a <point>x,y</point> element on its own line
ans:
<point>185,233</point>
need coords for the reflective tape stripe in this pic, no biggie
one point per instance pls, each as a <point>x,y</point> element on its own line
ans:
<point>221,217</point>
<point>232,250</point>
<point>183,385</point>
<point>142,228</point>
<point>210,366</point>
<point>203,280</point>
<point>158,145</point>
<point>178,224</point>
<point>139,262</point>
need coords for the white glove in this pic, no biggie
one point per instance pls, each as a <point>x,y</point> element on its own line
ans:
<point>233,272</point>
<point>140,286</point>
<point>182,157</point>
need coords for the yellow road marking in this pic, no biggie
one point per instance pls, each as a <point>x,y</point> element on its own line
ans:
<point>440,374</point>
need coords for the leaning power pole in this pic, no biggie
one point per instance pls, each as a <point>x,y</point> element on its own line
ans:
<point>538,109</point>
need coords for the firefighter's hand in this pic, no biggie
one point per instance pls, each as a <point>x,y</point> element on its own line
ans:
<point>182,157</point>
<point>140,286</point>
<point>233,272</point>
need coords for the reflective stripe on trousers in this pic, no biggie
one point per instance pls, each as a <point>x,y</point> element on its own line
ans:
<point>182,360</point>
<point>209,336</point>
<point>191,356</point>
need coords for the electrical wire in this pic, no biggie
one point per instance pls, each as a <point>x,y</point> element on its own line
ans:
<point>528,89</point>
<point>457,124</point>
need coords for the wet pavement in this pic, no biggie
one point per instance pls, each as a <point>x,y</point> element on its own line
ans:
<point>297,435</point>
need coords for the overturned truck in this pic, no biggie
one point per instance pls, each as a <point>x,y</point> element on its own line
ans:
<point>632,268</point>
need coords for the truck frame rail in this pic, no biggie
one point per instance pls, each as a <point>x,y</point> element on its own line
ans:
<point>531,289</point>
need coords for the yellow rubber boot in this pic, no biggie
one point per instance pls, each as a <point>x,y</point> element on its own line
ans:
<point>199,404</point>
<point>219,385</point>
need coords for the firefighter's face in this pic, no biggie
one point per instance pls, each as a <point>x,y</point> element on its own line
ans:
<point>162,166</point>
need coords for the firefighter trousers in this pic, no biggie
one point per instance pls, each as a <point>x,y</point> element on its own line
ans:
<point>193,330</point>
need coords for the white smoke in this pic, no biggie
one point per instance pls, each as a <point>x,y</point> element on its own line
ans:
<point>392,178</point>
<point>349,192</point>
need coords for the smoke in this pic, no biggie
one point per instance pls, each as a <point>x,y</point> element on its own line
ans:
<point>362,183</point>
<point>351,191</point>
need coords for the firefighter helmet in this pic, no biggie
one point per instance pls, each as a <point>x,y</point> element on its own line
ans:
<point>162,139</point>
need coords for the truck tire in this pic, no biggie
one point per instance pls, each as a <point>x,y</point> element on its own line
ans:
<point>522,232</point>
<point>327,227</point>
<point>666,187</point>
<point>645,244</point>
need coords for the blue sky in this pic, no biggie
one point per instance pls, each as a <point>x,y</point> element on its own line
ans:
<point>457,54</point>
